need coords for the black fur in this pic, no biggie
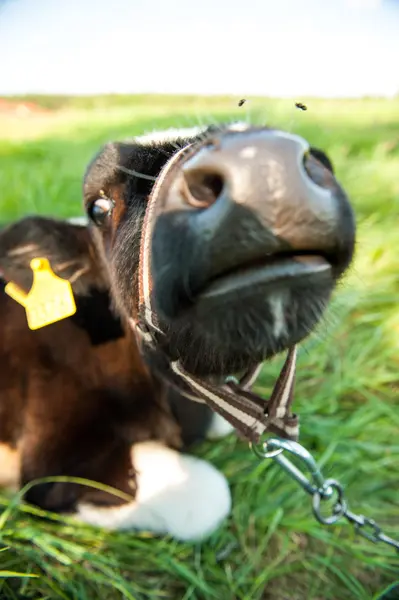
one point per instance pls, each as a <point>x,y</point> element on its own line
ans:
<point>94,316</point>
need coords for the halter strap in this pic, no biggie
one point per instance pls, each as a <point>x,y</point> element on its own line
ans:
<point>247,412</point>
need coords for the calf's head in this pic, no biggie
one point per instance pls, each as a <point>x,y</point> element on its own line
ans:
<point>253,234</point>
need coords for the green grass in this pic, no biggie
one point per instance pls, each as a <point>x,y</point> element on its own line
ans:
<point>346,395</point>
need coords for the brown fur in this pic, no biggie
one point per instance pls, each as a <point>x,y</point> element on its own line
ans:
<point>68,406</point>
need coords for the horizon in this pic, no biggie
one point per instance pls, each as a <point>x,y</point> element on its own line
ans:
<point>216,96</point>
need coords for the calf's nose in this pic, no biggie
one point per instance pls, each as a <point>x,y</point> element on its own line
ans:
<point>268,174</point>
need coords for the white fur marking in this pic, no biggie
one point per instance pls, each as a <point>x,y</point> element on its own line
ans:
<point>173,134</point>
<point>219,427</point>
<point>277,308</point>
<point>82,221</point>
<point>177,495</point>
<point>168,135</point>
<point>22,250</point>
<point>248,152</point>
<point>9,467</point>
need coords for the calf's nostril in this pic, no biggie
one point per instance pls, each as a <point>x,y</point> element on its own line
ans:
<point>318,170</point>
<point>201,188</point>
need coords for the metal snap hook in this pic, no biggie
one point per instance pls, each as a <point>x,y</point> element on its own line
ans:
<point>274,448</point>
<point>261,450</point>
<point>339,508</point>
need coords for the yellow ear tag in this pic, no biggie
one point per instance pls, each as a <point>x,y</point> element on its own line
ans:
<point>50,298</point>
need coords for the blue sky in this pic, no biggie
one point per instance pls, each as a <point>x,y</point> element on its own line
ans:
<point>266,47</point>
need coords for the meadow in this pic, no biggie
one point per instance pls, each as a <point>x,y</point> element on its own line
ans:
<point>347,388</point>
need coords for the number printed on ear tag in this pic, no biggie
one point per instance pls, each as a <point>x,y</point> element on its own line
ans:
<point>50,298</point>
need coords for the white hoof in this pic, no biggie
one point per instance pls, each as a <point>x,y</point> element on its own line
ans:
<point>177,495</point>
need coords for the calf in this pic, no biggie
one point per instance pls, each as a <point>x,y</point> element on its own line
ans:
<point>253,235</point>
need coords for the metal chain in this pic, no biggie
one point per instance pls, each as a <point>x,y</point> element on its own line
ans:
<point>320,489</point>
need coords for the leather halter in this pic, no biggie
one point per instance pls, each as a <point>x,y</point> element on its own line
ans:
<point>247,412</point>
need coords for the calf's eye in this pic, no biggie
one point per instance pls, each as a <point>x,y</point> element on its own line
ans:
<point>100,210</point>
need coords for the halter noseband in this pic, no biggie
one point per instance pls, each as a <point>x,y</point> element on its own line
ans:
<point>250,414</point>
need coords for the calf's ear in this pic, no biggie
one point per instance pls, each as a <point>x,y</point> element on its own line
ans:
<point>67,246</point>
<point>72,256</point>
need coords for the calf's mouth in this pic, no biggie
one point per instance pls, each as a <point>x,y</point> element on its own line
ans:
<point>266,273</point>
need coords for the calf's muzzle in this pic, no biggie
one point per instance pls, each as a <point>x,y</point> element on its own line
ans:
<point>250,199</point>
